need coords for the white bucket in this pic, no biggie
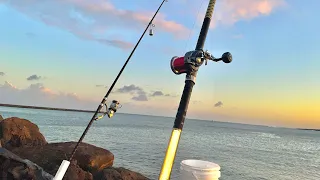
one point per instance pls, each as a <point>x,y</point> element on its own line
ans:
<point>199,170</point>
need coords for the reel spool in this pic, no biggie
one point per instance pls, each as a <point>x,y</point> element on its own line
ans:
<point>179,64</point>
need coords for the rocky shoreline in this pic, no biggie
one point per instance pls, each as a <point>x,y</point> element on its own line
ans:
<point>25,154</point>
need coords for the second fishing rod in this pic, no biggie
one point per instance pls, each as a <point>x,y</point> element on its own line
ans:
<point>114,104</point>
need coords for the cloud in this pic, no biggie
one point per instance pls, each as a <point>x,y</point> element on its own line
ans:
<point>33,77</point>
<point>138,92</point>
<point>161,94</point>
<point>2,73</point>
<point>90,20</point>
<point>171,95</point>
<point>129,89</point>
<point>229,12</point>
<point>158,93</point>
<point>39,95</point>
<point>140,97</point>
<point>218,104</point>
<point>116,43</point>
<point>100,85</point>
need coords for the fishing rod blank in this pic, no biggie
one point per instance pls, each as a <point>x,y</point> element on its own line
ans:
<point>113,107</point>
<point>94,117</point>
<point>188,64</point>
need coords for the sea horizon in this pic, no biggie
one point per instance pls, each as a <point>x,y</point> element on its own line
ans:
<point>92,111</point>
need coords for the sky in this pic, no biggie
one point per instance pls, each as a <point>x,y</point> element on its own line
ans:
<point>66,53</point>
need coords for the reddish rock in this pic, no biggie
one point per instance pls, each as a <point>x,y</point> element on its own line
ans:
<point>16,132</point>
<point>120,173</point>
<point>23,138</point>
<point>89,158</point>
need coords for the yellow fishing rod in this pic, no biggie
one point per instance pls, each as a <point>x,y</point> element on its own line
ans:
<point>188,64</point>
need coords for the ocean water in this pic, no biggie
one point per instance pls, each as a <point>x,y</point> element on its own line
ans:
<point>138,142</point>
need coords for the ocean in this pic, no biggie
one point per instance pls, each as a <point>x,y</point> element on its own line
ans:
<point>244,152</point>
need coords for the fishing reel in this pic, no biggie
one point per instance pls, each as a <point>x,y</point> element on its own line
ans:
<point>114,106</point>
<point>196,58</point>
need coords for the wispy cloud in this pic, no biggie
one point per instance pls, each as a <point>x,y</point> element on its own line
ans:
<point>34,77</point>
<point>229,12</point>
<point>91,20</point>
<point>101,86</point>
<point>2,73</point>
<point>39,95</point>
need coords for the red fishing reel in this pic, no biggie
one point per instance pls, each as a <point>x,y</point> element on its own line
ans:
<point>196,58</point>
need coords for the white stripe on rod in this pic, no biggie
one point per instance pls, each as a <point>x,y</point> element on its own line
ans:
<point>62,170</point>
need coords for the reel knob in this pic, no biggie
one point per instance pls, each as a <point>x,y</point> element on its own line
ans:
<point>226,57</point>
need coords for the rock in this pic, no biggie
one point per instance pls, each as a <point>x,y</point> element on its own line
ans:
<point>1,118</point>
<point>16,132</point>
<point>120,173</point>
<point>24,139</point>
<point>89,158</point>
<point>13,167</point>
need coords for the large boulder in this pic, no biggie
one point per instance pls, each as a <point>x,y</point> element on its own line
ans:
<point>13,167</point>
<point>120,173</point>
<point>16,132</point>
<point>89,158</point>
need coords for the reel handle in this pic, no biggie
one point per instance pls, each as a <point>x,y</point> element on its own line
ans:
<point>226,58</point>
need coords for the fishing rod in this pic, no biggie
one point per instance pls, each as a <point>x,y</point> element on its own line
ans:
<point>188,64</point>
<point>114,105</point>
<point>113,84</point>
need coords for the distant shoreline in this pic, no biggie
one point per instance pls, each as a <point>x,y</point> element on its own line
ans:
<point>90,111</point>
<point>45,108</point>
<point>309,129</point>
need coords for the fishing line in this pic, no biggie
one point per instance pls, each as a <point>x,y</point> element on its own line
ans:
<point>193,26</point>
<point>115,103</point>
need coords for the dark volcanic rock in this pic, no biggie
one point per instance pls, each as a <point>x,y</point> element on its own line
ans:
<point>16,132</point>
<point>89,158</point>
<point>120,173</point>
<point>13,167</point>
